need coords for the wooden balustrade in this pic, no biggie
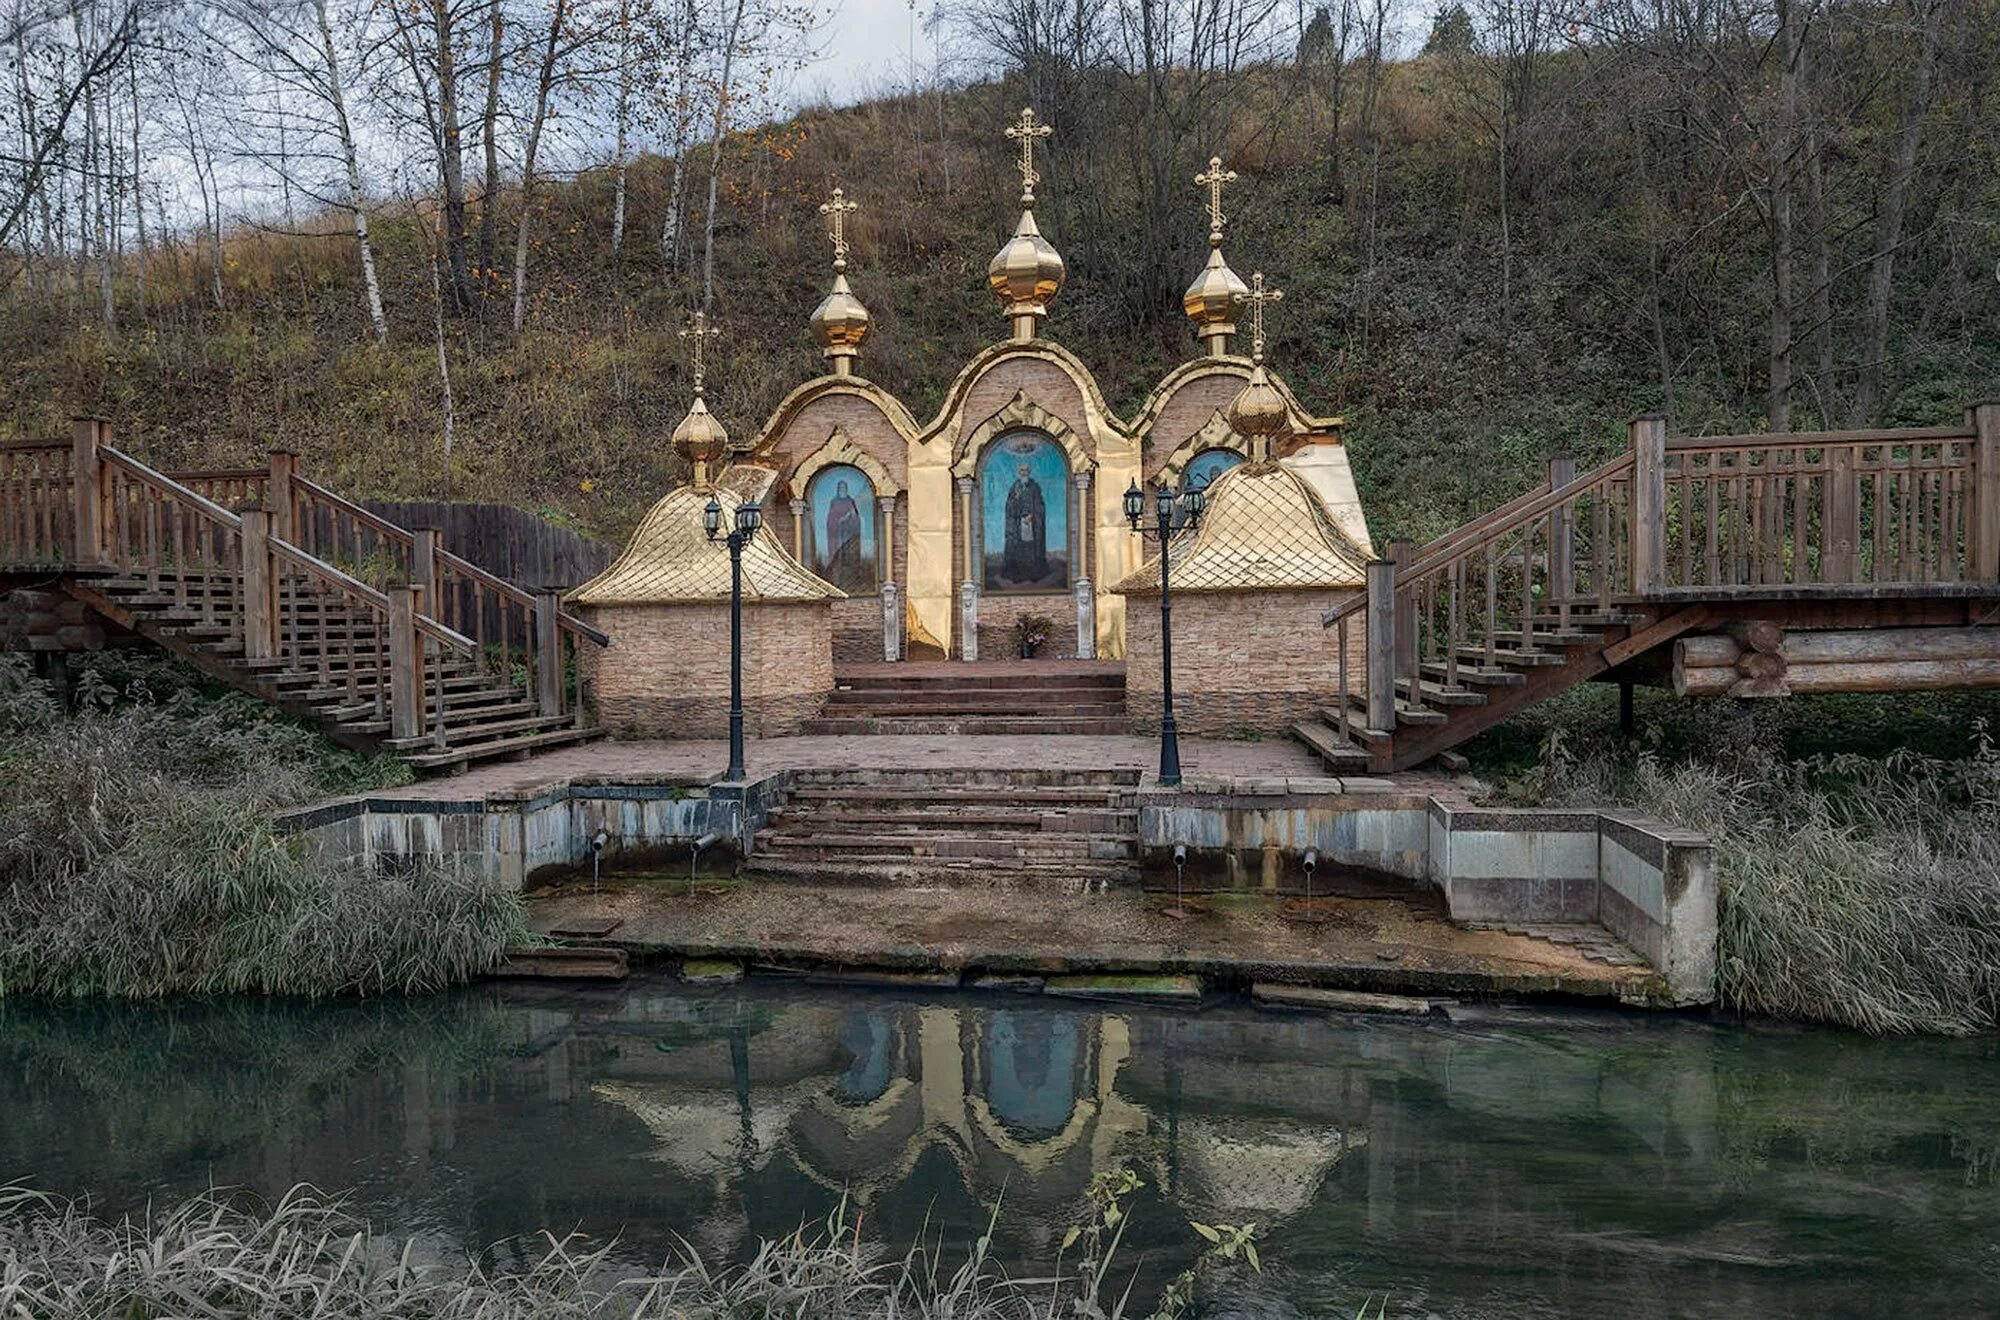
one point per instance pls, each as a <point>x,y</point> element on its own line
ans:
<point>232,488</point>
<point>184,544</point>
<point>37,506</point>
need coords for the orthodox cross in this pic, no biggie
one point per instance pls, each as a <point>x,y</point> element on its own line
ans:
<point>1025,131</point>
<point>836,211</point>
<point>698,329</point>
<point>1257,297</point>
<point>1212,179</point>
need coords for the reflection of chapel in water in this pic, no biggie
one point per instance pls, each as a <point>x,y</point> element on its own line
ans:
<point>941,534</point>
<point>1021,1106</point>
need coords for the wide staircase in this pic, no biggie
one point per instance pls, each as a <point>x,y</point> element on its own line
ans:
<point>272,584</point>
<point>1028,697</point>
<point>1894,534</point>
<point>1072,829</point>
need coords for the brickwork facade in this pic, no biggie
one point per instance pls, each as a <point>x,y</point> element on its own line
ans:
<point>666,675</point>
<point>1244,662</point>
<point>1183,413</point>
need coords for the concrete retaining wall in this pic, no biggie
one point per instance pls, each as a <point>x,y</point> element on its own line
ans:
<point>1649,883</point>
<point>510,840</point>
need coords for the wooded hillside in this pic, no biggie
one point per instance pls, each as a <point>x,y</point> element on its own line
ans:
<point>1743,213</point>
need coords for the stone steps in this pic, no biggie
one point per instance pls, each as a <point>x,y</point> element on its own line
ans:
<point>968,724</point>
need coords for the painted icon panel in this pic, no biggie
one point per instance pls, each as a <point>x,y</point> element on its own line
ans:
<point>1023,493</point>
<point>841,504</point>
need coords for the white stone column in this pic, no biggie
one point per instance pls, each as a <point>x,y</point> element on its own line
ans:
<point>968,591</point>
<point>892,595</point>
<point>1086,592</point>
<point>892,622</point>
<point>799,531</point>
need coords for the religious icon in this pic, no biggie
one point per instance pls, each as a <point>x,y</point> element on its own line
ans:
<point>843,529</point>
<point>1026,517</point>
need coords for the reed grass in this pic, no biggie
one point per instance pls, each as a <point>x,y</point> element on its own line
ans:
<point>1856,889</point>
<point>137,856</point>
<point>222,1255</point>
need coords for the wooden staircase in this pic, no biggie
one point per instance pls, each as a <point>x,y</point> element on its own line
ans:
<point>1588,576</point>
<point>434,660</point>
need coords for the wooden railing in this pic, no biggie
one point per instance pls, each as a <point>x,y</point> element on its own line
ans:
<point>295,572</point>
<point>1685,519</point>
<point>37,506</point>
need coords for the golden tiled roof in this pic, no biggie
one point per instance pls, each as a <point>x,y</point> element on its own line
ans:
<point>1265,529</point>
<point>670,557</point>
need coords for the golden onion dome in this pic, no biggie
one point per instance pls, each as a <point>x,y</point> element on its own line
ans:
<point>1027,271</point>
<point>1258,410</point>
<point>700,438</point>
<point>1217,297</point>
<point>840,322</point>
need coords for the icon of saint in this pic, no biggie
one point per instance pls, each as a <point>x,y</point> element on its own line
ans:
<point>841,562</point>
<point>1025,557</point>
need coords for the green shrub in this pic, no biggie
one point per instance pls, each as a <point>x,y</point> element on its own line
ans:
<point>137,855</point>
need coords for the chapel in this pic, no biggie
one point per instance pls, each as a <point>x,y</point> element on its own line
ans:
<point>886,538</point>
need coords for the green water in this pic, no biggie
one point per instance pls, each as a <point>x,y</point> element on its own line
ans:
<point>1570,1166</point>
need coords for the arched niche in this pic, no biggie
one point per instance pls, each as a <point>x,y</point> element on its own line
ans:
<point>1020,414</point>
<point>1023,514</point>
<point>1215,435</point>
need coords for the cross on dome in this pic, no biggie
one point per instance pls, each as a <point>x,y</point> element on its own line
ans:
<point>836,210</point>
<point>698,329</point>
<point>1025,130</point>
<point>1213,178</point>
<point>1257,297</point>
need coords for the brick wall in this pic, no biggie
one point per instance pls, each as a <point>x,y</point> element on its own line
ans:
<point>1186,412</point>
<point>999,613</point>
<point>666,672</point>
<point>1244,662</point>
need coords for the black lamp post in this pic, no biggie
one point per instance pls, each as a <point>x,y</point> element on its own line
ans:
<point>1192,501</point>
<point>749,517</point>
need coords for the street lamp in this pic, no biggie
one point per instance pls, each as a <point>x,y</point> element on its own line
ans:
<point>1192,502</point>
<point>749,517</point>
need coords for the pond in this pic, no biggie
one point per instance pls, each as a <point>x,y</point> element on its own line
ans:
<point>1547,1164</point>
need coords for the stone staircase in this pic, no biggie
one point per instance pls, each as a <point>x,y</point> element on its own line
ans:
<point>336,672</point>
<point>1070,829</point>
<point>1031,697</point>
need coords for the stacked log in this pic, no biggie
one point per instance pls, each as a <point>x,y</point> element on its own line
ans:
<point>1762,660</point>
<point>35,620</point>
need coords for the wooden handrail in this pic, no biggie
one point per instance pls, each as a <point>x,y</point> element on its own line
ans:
<point>1821,439</point>
<point>373,521</point>
<point>466,568</point>
<point>218,474</point>
<point>165,484</point>
<point>367,595</point>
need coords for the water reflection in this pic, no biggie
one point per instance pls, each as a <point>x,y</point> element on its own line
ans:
<point>1634,1167</point>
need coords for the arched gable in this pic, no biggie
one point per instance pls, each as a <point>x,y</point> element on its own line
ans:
<point>838,450</point>
<point>1201,369</point>
<point>821,387</point>
<point>1097,414</point>
<point>1020,414</point>
<point>1216,433</point>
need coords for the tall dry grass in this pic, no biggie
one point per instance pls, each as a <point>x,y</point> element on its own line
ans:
<point>1862,890</point>
<point>137,856</point>
<point>221,1256</point>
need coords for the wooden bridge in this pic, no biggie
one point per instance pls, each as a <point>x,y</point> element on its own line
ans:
<point>1741,565</point>
<point>277,586</point>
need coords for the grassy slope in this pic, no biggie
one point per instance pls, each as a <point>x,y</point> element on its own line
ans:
<point>1451,410</point>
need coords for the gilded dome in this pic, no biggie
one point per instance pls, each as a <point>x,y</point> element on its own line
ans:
<point>840,322</point>
<point>699,438</point>
<point>1217,297</point>
<point>1258,410</point>
<point>1027,271</point>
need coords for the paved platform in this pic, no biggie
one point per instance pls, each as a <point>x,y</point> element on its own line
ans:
<point>640,762</point>
<point>1381,944</point>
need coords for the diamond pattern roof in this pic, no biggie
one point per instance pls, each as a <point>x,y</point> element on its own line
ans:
<point>670,557</point>
<point>1265,528</point>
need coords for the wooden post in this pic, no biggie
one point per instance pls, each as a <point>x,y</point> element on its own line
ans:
<point>87,434</point>
<point>1381,646</point>
<point>548,652</point>
<point>1840,523</point>
<point>1649,503</point>
<point>1985,520</point>
<point>279,501</point>
<point>424,544</point>
<point>1562,535</point>
<point>260,613</point>
<point>406,666</point>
